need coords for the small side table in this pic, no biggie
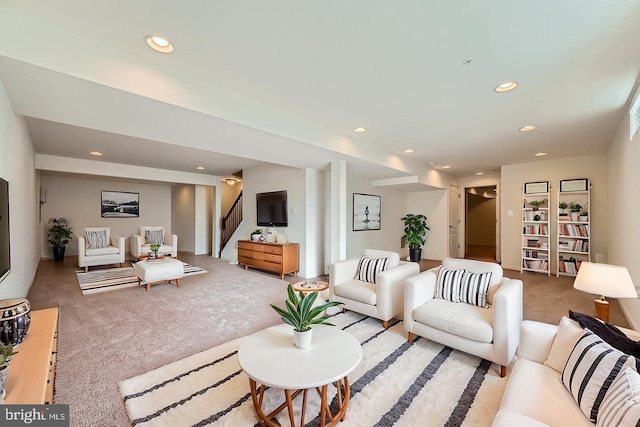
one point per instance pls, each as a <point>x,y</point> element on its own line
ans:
<point>310,286</point>
<point>270,359</point>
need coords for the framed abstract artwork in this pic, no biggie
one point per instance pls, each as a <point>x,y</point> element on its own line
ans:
<point>119,204</point>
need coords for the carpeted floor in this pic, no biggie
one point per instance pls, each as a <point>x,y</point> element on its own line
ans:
<point>395,384</point>
<point>105,338</point>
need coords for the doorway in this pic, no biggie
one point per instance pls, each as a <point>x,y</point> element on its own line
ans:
<point>481,223</point>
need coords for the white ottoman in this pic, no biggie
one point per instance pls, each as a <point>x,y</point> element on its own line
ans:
<point>153,272</point>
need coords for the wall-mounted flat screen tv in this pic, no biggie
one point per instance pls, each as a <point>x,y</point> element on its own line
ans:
<point>5,248</point>
<point>271,209</point>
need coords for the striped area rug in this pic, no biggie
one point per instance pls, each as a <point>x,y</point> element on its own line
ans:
<point>117,278</point>
<point>396,384</point>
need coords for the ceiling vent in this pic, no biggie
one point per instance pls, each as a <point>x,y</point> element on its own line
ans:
<point>634,117</point>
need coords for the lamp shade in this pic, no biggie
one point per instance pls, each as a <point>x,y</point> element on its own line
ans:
<point>607,280</point>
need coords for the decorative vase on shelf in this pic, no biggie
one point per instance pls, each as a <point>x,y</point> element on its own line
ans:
<point>584,218</point>
<point>15,318</point>
<point>574,216</point>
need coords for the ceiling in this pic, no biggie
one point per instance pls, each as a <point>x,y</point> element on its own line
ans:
<point>286,82</point>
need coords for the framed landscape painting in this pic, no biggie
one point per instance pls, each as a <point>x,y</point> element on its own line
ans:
<point>119,204</point>
<point>366,212</point>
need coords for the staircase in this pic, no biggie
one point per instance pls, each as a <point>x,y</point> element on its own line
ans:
<point>230,222</point>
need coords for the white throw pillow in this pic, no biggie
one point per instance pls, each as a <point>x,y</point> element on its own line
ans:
<point>368,268</point>
<point>96,239</point>
<point>474,288</point>
<point>621,404</point>
<point>569,332</point>
<point>154,237</point>
<point>448,284</point>
<point>590,370</point>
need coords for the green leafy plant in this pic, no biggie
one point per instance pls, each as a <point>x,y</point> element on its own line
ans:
<point>154,248</point>
<point>6,352</point>
<point>575,207</point>
<point>538,203</point>
<point>257,231</point>
<point>563,205</point>
<point>60,233</point>
<point>415,229</point>
<point>299,311</point>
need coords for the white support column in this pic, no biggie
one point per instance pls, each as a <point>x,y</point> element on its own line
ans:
<point>338,220</point>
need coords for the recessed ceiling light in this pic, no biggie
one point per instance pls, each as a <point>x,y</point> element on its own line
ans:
<point>479,173</point>
<point>409,150</point>
<point>159,44</point>
<point>360,130</point>
<point>506,87</point>
<point>527,128</point>
<point>95,153</point>
<point>230,181</point>
<point>200,168</point>
<point>540,154</point>
<point>446,167</point>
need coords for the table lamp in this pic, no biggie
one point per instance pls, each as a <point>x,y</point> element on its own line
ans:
<point>607,281</point>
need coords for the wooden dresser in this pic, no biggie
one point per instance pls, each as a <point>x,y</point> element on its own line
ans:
<point>280,258</point>
<point>32,370</point>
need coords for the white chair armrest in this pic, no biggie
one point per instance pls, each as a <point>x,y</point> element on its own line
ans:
<point>418,290</point>
<point>82,247</point>
<point>507,320</point>
<point>390,288</point>
<point>340,272</point>
<point>536,339</point>
<point>174,244</point>
<point>136,245</point>
<point>118,242</point>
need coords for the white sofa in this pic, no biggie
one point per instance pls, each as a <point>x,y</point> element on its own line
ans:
<point>383,299</point>
<point>535,395</point>
<point>111,251</point>
<point>490,333</point>
<point>140,246</point>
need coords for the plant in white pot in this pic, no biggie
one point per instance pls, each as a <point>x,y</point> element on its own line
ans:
<point>256,235</point>
<point>575,209</point>
<point>300,313</point>
<point>6,352</point>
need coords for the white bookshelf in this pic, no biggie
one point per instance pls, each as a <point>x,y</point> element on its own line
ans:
<point>573,244</point>
<point>535,248</point>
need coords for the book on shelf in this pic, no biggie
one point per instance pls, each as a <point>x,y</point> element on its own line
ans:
<point>542,265</point>
<point>574,230</point>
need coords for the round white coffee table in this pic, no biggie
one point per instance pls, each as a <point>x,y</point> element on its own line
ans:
<point>270,359</point>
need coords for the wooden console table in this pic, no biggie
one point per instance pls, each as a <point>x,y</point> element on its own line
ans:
<point>32,370</point>
<point>280,258</point>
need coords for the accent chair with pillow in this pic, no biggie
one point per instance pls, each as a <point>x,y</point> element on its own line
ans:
<point>141,243</point>
<point>98,247</point>
<point>467,305</point>
<point>372,285</point>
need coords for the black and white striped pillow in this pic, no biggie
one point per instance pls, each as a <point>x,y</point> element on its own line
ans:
<point>590,370</point>
<point>448,284</point>
<point>96,239</point>
<point>621,405</point>
<point>154,237</point>
<point>368,268</point>
<point>475,287</point>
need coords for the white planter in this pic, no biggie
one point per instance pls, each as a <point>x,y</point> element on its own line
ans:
<point>302,340</point>
<point>574,216</point>
<point>584,218</point>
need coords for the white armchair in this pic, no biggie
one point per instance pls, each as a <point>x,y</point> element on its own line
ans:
<point>490,333</point>
<point>141,246</point>
<point>98,247</point>
<point>382,299</point>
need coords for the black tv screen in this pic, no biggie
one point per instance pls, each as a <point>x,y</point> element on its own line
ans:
<point>5,249</point>
<point>272,209</point>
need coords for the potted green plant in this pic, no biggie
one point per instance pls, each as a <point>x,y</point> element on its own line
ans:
<point>300,313</point>
<point>415,230</point>
<point>584,214</point>
<point>154,249</point>
<point>575,209</point>
<point>59,235</point>
<point>6,352</point>
<point>537,203</point>
<point>256,235</point>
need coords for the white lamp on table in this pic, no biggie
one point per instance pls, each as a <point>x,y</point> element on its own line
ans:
<point>606,280</point>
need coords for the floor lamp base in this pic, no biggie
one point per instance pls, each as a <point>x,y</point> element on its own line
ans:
<point>602,308</point>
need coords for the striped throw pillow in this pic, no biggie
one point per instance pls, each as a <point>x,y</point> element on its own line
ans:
<point>96,239</point>
<point>448,284</point>
<point>368,268</point>
<point>590,371</point>
<point>154,237</point>
<point>621,405</point>
<point>474,288</point>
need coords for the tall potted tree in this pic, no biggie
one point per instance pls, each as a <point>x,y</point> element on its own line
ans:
<point>415,230</point>
<point>59,235</point>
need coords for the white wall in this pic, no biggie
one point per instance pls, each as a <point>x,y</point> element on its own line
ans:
<point>624,201</point>
<point>78,200</point>
<point>183,218</point>
<point>435,206</point>
<point>315,225</point>
<point>393,207</point>
<point>17,167</point>
<point>593,167</point>
<point>203,219</point>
